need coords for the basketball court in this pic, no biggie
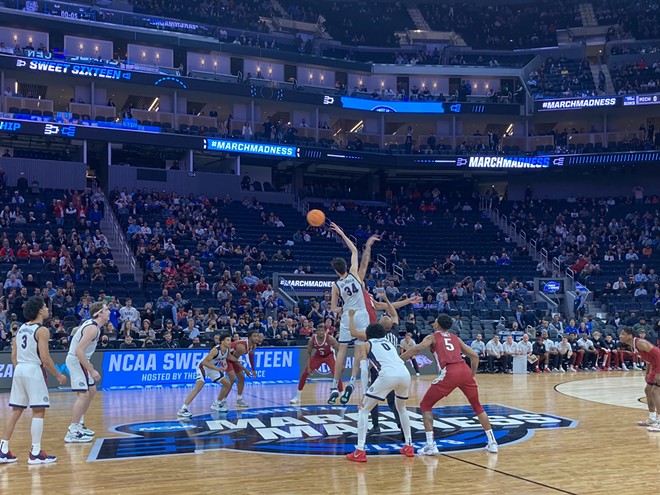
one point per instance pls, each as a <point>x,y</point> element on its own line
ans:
<point>568,433</point>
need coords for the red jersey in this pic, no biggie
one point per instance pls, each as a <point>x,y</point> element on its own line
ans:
<point>323,348</point>
<point>250,350</point>
<point>652,357</point>
<point>446,349</point>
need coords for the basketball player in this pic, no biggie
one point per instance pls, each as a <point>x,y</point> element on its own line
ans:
<point>212,366</point>
<point>29,354</point>
<point>454,373</point>
<point>350,289</point>
<point>390,322</point>
<point>392,376</point>
<point>651,354</point>
<point>235,370</point>
<point>319,352</point>
<point>83,375</point>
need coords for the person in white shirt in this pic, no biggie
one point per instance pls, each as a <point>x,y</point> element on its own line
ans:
<point>551,349</point>
<point>588,352</point>
<point>566,358</point>
<point>129,318</point>
<point>494,353</point>
<point>509,349</point>
<point>525,348</point>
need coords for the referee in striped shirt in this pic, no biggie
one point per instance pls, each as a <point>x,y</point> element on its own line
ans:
<point>390,322</point>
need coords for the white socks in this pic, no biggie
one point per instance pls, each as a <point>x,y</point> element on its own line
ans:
<point>653,416</point>
<point>491,437</point>
<point>429,438</point>
<point>4,446</point>
<point>363,422</point>
<point>37,430</point>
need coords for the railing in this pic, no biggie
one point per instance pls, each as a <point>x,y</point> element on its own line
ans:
<point>556,264</point>
<point>382,262</point>
<point>571,276</point>
<point>117,237</point>
<point>533,252</point>
<point>397,270</point>
<point>544,256</point>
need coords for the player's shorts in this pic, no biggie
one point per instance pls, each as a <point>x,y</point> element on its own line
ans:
<point>81,380</point>
<point>29,387</point>
<point>453,376</point>
<point>651,376</point>
<point>235,367</point>
<point>383,385</point>
<point>362,321</point>
<point>203,373</point>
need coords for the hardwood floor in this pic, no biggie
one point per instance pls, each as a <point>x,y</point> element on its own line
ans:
<point>602,452</point>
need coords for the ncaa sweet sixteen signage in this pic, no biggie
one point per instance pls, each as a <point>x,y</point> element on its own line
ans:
<point>125,368</point>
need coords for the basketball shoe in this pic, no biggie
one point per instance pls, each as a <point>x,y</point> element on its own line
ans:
<point>647,422</point>
<point>334,395</point>
<point>7,458</point>
<point>220,407</point>
<point>654,427</point>
<point>241,403</point>
<point>357,456</point>
<point>408,451</point>
<point>86,431</point>
<point>346,396</point>
<point>75,436</point>
<point>492,447</point>
<point>295,400</point>
<point>184,413</point>
<point>431,449</point>
<point>41,458</point>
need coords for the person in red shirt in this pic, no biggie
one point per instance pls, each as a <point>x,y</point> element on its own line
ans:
<point>454,373</point>
<point>235,370</point>
<point>23,252</point>
<point>319,352</point>
<point>651,354</point>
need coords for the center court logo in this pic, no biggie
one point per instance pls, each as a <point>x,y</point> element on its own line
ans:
<point>317,430</point>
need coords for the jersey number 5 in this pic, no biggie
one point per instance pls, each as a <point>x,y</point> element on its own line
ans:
<point>448,344</point>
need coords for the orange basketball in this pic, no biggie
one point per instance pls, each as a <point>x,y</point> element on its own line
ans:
<point>316,218</point>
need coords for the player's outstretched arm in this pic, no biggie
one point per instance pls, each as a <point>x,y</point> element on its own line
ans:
<point>391,310</point>
<point>428,341</point>
<point>351,326</point>
<point>349,244</point>
<point>366,256</point>
<point>382,306</point>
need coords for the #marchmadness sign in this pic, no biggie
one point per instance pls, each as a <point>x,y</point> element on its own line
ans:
<point>306,285</point>
<point>318,430</point>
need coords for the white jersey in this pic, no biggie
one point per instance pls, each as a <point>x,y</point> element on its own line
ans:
<point>220,360</point>
<point>27,347</point>
<point>75,340</point>
<point>353,296</point>
<point>385,358</point>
